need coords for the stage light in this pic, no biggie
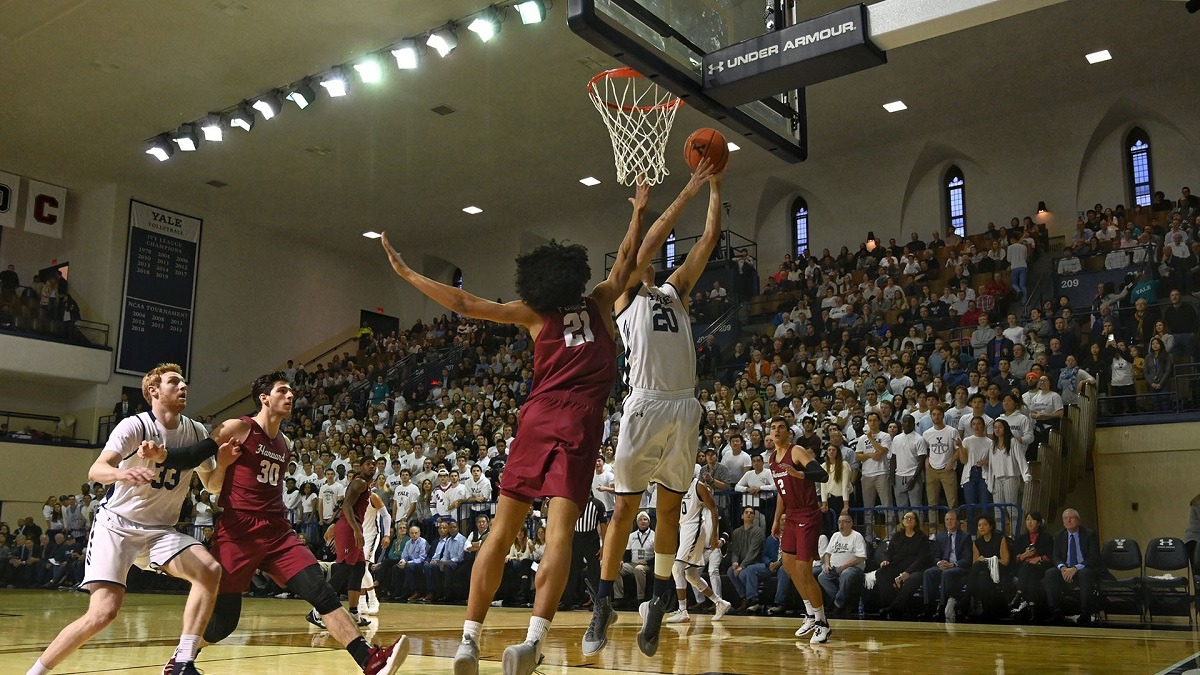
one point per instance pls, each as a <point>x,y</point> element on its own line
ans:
<point>1099,57</point>
<point>534,11</point>
<point>161,148</point>
<point>369,70</point>
<point>406,54</point>
<point>486,24</point>
<point>268,104</point>
<point>185,138</point>
<point>895,106</point>
<point>372,235</point>
<point>213,127</point>
<point>590,181</point>
<point>302,94</point>
<point>443,41</point>
<point>242,117</point>
<point>335,82</point>
<point>1042,207</point>
<point>473,210</point>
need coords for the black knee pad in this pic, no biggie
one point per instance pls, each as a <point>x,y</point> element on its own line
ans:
<point>310,585</point>
<point>347,577</point>
<point>226,613</point>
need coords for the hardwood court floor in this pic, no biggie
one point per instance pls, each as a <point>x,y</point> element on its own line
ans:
<point>274,638</point>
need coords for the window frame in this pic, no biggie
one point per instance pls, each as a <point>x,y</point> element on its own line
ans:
<point>1130,152</point>
<point>799,230</point>
<point>954,224</point>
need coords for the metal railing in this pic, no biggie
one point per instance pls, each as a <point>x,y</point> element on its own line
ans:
<point>245,399</point>
<point>728,247</point>
<point>35,428</point>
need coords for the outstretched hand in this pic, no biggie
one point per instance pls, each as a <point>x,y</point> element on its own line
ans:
<point>229,452</point>
<point>641,197</point>
<point>398,263</point>
<point>151,451</point>
<point>704,171</point>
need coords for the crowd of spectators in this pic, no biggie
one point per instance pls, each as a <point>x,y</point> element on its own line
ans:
<point>44,306</point>
<point>924,376</point>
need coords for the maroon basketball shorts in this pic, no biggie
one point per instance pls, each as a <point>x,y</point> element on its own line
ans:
<point>347,550</point>
<point>243,543</point>
<point>801,534</point>
<point>554,453</point>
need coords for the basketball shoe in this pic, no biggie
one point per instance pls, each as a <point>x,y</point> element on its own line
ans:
<point>466,659</point>
<point>522,659</point>
<point>807,627</point>
<point>387,660</point>
<point>596,636</point>
<point>820,633</point>
<point>652,617</point>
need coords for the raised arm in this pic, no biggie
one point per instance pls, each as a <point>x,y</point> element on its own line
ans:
<point>685,277</point>
<point>459,301</point>
<point>607,291</point>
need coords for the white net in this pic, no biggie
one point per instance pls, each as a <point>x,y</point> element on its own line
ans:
<point>639,115</point>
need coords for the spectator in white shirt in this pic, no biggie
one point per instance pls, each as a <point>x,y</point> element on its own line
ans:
<point>909,450</point>
<point>641,557</point>
<point>734,457</point>
<point>843,563</point>
<point>330,495</point>
<point>755,482</point>
<point>874,449</point>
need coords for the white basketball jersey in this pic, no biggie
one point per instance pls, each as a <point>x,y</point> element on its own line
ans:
<point>657,333</point>
<point>370,523</point>
<point>157,503</point>
<point>691,509</point>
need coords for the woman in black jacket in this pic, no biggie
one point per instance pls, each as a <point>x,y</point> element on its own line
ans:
<point>1033,550</point>
<point>901,572</point>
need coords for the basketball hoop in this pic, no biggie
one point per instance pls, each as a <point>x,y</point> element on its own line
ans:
<point>639,115</point>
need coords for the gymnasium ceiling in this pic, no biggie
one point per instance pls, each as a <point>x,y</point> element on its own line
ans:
<point>84,82</point>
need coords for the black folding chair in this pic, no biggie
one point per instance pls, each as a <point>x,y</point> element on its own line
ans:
<point>1122,595</point>
<point>1168,594</point>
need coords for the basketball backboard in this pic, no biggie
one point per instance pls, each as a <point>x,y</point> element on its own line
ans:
<point>667,40</point>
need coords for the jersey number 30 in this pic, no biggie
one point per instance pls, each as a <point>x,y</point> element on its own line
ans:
<point>577,329</point>
<point>269,473</point>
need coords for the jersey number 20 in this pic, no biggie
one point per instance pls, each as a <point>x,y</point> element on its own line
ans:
<point>665,320</point>
<point>577,329</point>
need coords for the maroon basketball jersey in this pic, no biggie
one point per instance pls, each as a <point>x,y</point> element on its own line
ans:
<point>574,354</point>
<point>360,506</point>
<point>798,494</point>
<point>255,481</point>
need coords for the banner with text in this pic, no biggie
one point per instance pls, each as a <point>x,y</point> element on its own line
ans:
<point>161,263</point>
<point>10,194</point>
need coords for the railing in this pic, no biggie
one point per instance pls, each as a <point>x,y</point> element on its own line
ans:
<point>39,429</point>
<point>245,399</point>
<point>104,427</point>
<point>727,249</point>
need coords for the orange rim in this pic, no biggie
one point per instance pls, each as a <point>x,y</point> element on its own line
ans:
<point>629,74</point>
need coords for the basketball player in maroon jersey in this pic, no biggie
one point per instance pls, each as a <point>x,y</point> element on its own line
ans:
<point>253,532</point>
<point>351,561</point>
<point>560,424</point>
<point>797,522</point>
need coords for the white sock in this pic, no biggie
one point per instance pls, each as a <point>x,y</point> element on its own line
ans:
<point>38,669</point>
<point>371,598</point>
<point>809,609</point>
<point>820,612</point>
<point>471,630</point>
<point>186,651</point>
<point>538,627</point>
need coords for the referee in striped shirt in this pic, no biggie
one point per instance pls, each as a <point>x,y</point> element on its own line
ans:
<point>585,551</point>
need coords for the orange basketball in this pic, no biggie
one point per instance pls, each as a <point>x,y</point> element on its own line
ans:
<point>706,143</point>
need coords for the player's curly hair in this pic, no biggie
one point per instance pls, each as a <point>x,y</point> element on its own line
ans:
<point>552,275</point>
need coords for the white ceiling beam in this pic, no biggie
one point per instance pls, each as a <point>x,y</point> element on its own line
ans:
<point>897,23</point>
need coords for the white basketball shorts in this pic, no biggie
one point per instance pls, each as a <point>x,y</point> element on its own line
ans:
<point>692,540</point>
<point>659,435</point>
<point>116,543</point>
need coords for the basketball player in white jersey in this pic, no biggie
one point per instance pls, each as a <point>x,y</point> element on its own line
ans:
<point>658,426</point>
<point>376,526</point>
<point>697,532</point>
<point>134,523</point>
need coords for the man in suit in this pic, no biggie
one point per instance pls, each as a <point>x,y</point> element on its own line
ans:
<point>123,408</point>
<point>1076,567</point>
<point>949,573</point>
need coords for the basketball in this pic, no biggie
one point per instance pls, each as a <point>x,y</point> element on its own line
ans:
<point>708,143</point>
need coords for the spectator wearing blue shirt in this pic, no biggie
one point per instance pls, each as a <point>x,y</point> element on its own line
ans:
<point>445,559</point>
<point>412,563</point>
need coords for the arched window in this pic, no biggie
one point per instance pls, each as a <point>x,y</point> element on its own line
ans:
<point>954,201</point>
<point>669,252</point>
<point>1137,166</point>
<point>457,281</point>
<point>799,226</point>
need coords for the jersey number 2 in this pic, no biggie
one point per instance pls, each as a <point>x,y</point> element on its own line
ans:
<point>269,473</point>
<point>577,329</point>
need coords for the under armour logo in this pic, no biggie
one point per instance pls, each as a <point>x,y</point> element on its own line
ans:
<point>718,67</point>
<point>639,414</point>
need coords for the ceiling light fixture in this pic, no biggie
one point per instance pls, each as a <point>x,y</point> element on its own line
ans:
<point>302,94</point>
<point>213,127</point>
<point>1099,57</point>
<point>443,41</point>
<point>369,70</point>
<point>733,147</point>
<point>406,54</point>
<point>242,117</point>
<point>1042,207</point>
<point>473,210</point>
<point>486,24</point>
<point>372,235</point>
<point>161,148</point>
<point>895,106</point>
<point>185,138</point>
<point>268,105</point>
<point>534,11</point>
<point>335,82</point>
<point>590,181</point>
